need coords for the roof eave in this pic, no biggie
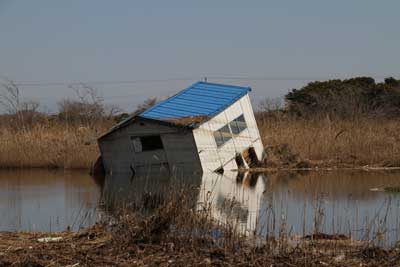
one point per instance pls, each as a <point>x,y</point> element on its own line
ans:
<point>133,119</point>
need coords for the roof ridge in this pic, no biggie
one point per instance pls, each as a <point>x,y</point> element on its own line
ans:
<point>227,85</point>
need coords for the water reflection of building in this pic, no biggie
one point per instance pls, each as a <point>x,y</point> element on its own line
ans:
<point>123,189</point>
<point>234,198</point>
<point>264,203</point>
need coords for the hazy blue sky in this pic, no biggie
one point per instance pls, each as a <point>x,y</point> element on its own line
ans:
<point>95,40</point>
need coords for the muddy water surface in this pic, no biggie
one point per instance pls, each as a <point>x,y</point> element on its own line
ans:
<point>353,203</point>
<point>348,202</point>
<point>42,200</point>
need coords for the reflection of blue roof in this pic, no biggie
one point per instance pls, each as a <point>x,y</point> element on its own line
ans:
<point>200,99</point>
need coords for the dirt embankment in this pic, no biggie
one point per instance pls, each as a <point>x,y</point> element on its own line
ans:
<point>150,243</point>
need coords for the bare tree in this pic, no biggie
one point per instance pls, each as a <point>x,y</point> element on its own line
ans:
<point>87,108</point>
<point>10,96</point>
<point>145,105</point>
<point>271,104</point>
<point>31,106</point>
<point>22,113</point>
<point>111,111</point>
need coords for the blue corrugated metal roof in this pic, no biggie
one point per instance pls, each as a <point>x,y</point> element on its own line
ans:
<point>200,99</point>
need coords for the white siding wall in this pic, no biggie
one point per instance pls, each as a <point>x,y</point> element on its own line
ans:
<point>179,149</point>
<point>252,126</point>
<point>212,157</point>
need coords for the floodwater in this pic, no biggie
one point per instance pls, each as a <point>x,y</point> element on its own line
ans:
<point>296,203</point>
<point>346,202</point>
<point>43,200</point>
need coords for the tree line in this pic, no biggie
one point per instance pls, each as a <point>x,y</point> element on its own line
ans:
<point>360,96</point>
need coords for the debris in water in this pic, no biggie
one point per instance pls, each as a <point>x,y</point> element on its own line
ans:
<point>323,236</point>
<point>50,239</point>
<point>392,189</point>
<point>375,189</point>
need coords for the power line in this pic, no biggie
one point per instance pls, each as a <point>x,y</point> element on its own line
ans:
<point>286,78</point>
<point>112,82</point>
<point>243,78</point>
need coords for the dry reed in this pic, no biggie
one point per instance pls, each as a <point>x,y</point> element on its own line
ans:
<point>327,142</point>
<point>336,142</point>
<point>49,145</point>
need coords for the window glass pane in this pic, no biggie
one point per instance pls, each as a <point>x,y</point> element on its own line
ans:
<point>226,133</point>
<point>222,135</point>
<point>218,138</point>
<point>234,127</point>
<point>241,123</point>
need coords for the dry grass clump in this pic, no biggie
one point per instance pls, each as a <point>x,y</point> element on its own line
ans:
<point>49,145</point>
<point>336,142</point>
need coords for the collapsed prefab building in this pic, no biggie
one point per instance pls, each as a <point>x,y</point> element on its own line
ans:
<point>206,127</point>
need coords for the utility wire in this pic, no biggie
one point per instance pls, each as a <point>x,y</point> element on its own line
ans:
<point>286,78</point>
<point>115,82</point>
<point>208,78</point>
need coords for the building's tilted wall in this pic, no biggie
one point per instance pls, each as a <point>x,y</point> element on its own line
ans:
<point>179,152</point>
<point>213,157</point>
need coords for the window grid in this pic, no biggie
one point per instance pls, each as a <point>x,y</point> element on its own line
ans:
<point>225,133</point>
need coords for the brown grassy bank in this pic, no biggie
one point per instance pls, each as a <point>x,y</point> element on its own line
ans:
<point>330,142</point>
<point>322,142</point>
<point>49,145</point>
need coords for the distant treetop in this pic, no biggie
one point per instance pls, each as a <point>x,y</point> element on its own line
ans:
<point>344,98</point>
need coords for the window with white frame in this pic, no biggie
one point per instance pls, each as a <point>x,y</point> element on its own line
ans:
<point>238,125</point>
<point>222,135</point>
<point>225,133</point>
